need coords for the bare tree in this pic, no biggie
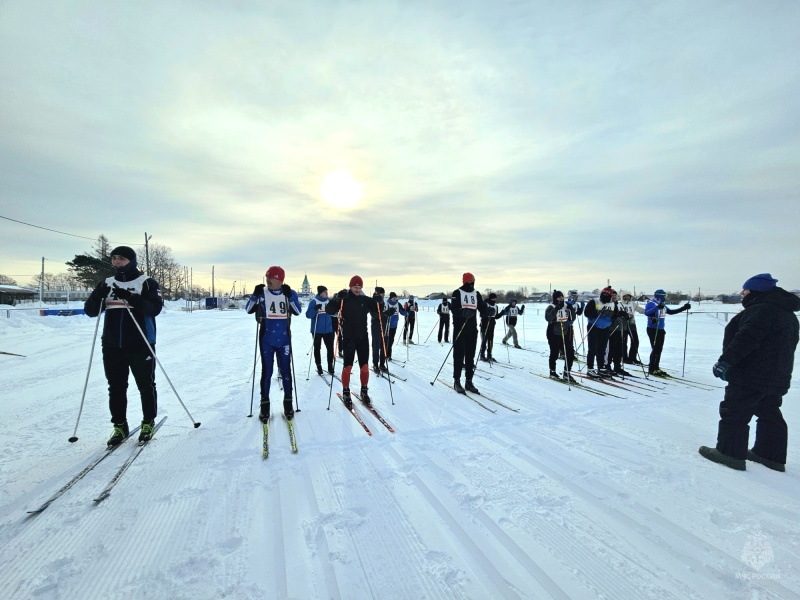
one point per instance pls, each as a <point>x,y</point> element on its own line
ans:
<point>6,280</point>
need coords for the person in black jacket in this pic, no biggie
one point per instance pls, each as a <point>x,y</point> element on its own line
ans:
<point>466,304</point>
<point>124,345</point>
<point>443,310</point>
<point>756,361</point>
<point>353,306</point>
<point>379,331</point>
<point>511,311</point>
<point>560,316</point>
<point>488,321</point>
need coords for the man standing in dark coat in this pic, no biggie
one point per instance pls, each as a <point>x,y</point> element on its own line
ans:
<point>466,303</point>
<point>756,361</point>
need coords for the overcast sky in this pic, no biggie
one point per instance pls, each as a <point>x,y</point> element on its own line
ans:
<point>655,144</point>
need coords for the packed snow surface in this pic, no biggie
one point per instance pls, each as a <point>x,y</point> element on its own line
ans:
<point>569,495</point>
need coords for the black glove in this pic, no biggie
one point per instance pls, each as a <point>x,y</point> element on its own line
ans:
<point>606,312</point>
<point>390,311</point>
<point>661,305</point>
<point>101,291</point>
<point>521,308</point>
<point>258,290</point>
<point>341,294</point>
<point>122,293</point>
<point>720,370</point>
<point>286,289</point>
<point>687,306</point>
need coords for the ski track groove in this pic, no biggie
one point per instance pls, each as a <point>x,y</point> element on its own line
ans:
<point>653,527</point>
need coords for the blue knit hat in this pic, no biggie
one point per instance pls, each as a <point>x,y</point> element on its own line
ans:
<point>660,292</point>
<point>763,282</point>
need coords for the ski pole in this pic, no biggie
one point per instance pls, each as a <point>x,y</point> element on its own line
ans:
<point>158,362</point>
<point>336,348</point>
<point>449,351</point>
<point>432,328</point>
<point>253,386</point>
<point>291,352</point>
<point>386,362</point>
<point>566,358</point>
<point>313,343</point>
<point>524,339</point>
<point>685,335</point>
<point>74,437</point>
<point>505,335</point>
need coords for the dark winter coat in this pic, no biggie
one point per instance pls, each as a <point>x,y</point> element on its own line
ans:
<point>119,330</point>
<point>760,341</point>
<point>354,314</point>
<point>461,313</point>
<point>552,314</point>
<point>511,314</point>
<point>600,315</point>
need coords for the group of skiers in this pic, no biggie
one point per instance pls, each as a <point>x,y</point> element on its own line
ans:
<point>757,359</point>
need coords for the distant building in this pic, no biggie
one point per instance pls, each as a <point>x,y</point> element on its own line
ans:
<point>305,289</point>
<point>13,294</point>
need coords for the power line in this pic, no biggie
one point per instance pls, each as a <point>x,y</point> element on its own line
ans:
<point>54,230</point>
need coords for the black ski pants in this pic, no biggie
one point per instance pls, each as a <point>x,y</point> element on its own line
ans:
<point>557,345</point>
<point>351,348</point>
<point>117,363</point>
<point>444,325</point>
<point>740,405</point>
<point>615,349</point>
<point>408,327</point>
<point>464,352</point>
<point>487,340</point>
<point>657,344</point>
<point>630,333</point>
<point>598,340</point>
<point>328,339</point>
<point>378,358</point>
<point>390,341</point>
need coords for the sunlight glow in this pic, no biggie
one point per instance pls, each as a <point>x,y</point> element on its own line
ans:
<point>340,189</point>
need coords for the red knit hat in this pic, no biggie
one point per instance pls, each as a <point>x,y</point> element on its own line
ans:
<point>356,280</point>
<point>276,273</point>
<point>467,277</point>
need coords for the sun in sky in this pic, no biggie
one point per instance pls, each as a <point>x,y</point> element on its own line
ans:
<point>340,189</point>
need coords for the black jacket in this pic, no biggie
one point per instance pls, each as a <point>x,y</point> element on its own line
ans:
<point>462,314</point>
<point>119,330</point>
<point>760,341</point>
<point>354,314</point>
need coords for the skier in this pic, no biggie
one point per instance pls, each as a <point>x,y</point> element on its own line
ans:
<point>353,306</point>
<point>393,312</point>
<point>411,307</point>
<point>443,310</point>
<point>616,340</point>
<point>379,334</point>
<point>756,362</point>
<point>572,300</point>
<point>559,316</point>
<point>321,327</point>
<point>488,322</point>
<point>629,308</point>
<point>124,347</point>
<point>466,304</point>
<point>510,312</point>
<point>656,312</point>
<point>600,314</point>
<point>271,307</point>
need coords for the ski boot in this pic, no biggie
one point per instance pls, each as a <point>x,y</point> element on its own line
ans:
<point>518,347</point>
<point>482,358</point>
<point>348,401</point>
<point>567,376</point>
<point>288,407</point>
<point>119,434</point>
<point>593,373</point>
<point>376,369</point>
<point>554,375</point>
<point>457,386</point>
<point>319,369</point>
<point>263,416</point>
<point>147,430</point>
<point>412,342</point>
<point>660,373</point>
<point>471,388</point>
<point>384,368</point>
<point>365,396</point>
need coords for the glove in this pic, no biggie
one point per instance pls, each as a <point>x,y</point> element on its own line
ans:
<point>342,294</point>
<point>101,291</point>
<point>521,308</point>
<point>720,370</point>
<point>687,306</point>
<point>122,293</point>
<point>390,311</point>
<point>571,302</point>
<point>258,290</point>
<point>606,312</point>
<point>661,305</point>
<point>286,289</point>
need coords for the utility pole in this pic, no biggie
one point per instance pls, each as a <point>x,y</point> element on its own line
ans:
<point>147,252</point>
<point>213,295</point>
<point>41,285</point>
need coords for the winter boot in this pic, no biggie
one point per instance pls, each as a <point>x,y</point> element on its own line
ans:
<point>568,377</point>
<point>365,396</point>
<point>319,369</point>
<point>263,416</point>
<point>348,401</point>
<point>716,456</point>
<point>119,434</point>
<point>554,375</point>
<point>288,407</point>
<point>770,464</point>
<point>457,386</point>
<point>147,430</point>
<point>518,346</point>
<point>471,388</point>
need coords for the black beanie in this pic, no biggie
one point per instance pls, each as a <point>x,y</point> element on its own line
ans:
<point>557,294</point>
<point>124,251</point>
<point>380,290</point>
<point>392,295</point>
<point>492,296</point>
<point>321,288</point>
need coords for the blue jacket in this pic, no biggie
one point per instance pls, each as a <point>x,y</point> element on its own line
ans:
<point>273,316</point>
<point>316,312</point>
<point>656,315</point>
<point>594,318</point>
<point>399,310</point>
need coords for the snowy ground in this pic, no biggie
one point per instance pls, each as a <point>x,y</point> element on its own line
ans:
<point>574,496</point>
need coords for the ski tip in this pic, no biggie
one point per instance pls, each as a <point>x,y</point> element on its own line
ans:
<point>196,425</point>
<point>73,439</point>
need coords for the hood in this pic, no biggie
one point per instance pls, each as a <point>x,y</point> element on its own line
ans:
<point>778,297</point>
<point>127,273</point>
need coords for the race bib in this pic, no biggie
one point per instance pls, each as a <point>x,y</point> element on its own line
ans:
<point>562,315</point>
<point>445,309</point>
<point>513,311</point>
<point>276,309</point>
<point>321,306</point>
<point>469,299</point>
